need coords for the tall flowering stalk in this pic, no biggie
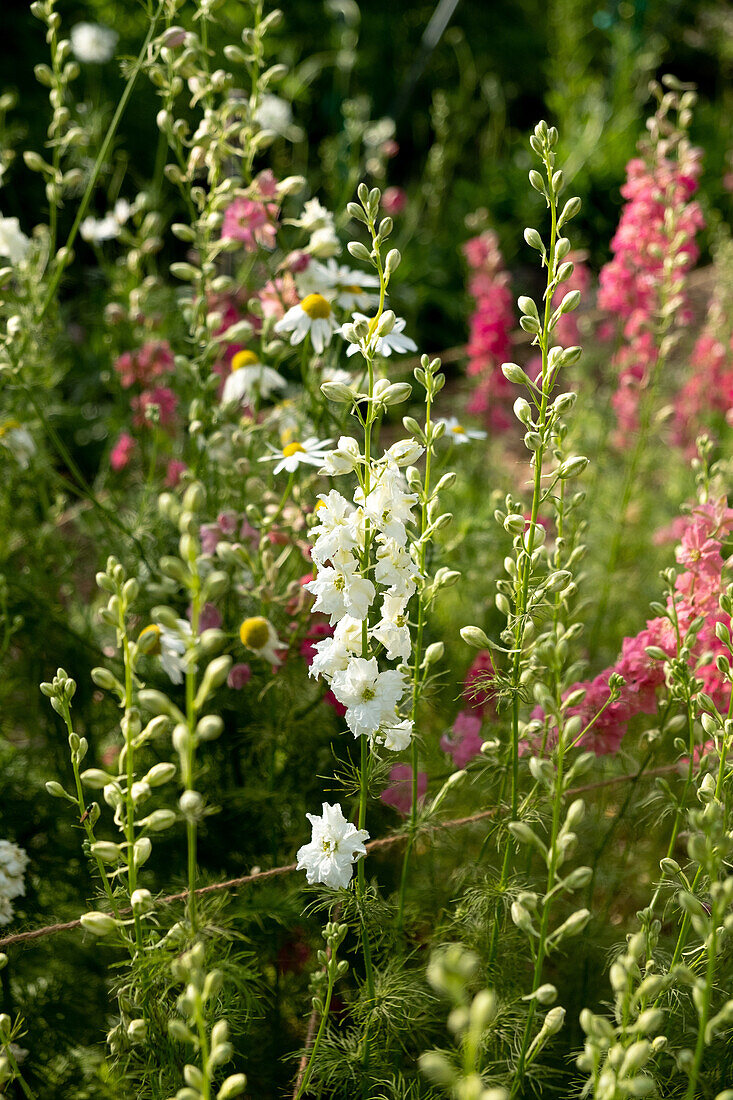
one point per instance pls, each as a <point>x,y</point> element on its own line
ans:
<point>644,285</point>
<point>364,551</point>
<point>526,592</point>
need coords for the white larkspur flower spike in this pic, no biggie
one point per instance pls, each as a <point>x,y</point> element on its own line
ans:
<point>341,590</point>
<point>98,230</point>
<point>250,378</point>
<point>385,345</point>
<point>457,433</point>
<point>313,316</point>
<point>335,846</point>
<point>310,452</point>
<point>370,696</point>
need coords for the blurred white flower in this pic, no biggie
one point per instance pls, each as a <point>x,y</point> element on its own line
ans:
<point>334,847</point>
<point>310,452</point>
<point>456,433</point>
<point>274,113</point>
<point>97,230</point>
<point>385,345</point>
<point>92,43</point>
<point>250,378</point>
<point>13,242</point>
<point>19,441</point>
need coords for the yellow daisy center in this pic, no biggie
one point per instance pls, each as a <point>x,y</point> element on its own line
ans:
<point>458,429</point>
<point>316,306</point>
<point>293,448</point>
<point>352,288</point>
<point>244,359</point>
<point>255,632</point>
<point>8,426</point>
<point>150,637</point>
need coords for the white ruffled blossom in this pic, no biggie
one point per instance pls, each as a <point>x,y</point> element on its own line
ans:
<point>341,590</point>
<point>341,527</point>
<point>370,696</point>
<point>335,846</point>
<point>344,458</point>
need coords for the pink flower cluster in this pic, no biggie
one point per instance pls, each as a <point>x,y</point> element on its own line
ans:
<point>143,368</point>
<point>145,365</point>
<point>708,390</point>
<point>489,342</point>
<point>697,590</point>
<point>630,283</point>
<point>253,220</point>
<point>399,793</point>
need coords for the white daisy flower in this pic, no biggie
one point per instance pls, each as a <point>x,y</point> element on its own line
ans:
<point>334,848</point>
<point>339,283</point>
<point>312,316</point>
<point>456,432</point>
<point>250,378</point>
<point>259,635</point>
<point>169,645</point>
<point>310,452</point>
<point>394,341</point>
<point>93,44</point>
<point>13,242</point>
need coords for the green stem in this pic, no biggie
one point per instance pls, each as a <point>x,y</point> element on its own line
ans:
<point>17,1075</point>
<point>130,775</point>
<point>416,679</point>
<point>707,995</point>
<point>523,590</point>
<point>191,713</point>
<point>319,1036</point>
